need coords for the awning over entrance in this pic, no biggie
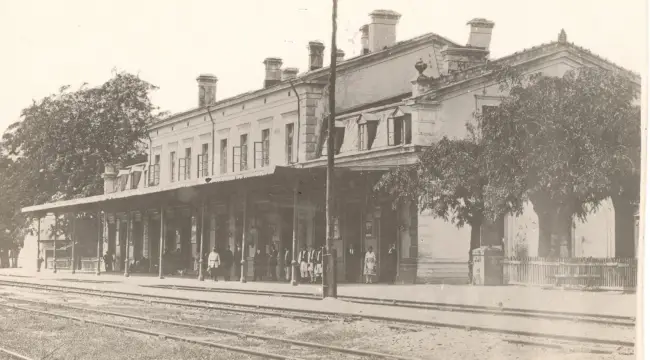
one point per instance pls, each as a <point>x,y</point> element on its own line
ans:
<point>97,201</point>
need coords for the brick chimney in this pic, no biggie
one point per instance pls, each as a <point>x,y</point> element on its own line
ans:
<point>316,49</point>
<point>289,73</point>
<point>273,71</point>
<point>480,33</point>
<point>340,55</point>
<point>365,47</point>
<point>382,29</point>
<point>207,89</point>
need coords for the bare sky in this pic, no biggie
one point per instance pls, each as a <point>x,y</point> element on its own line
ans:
<point>47,44</point>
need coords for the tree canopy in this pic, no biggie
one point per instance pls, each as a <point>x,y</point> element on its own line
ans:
<point>58,149</point>
<point>563,143</point>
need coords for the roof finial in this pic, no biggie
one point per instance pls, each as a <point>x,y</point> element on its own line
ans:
<point>562,36</point>
<point>420,66</point>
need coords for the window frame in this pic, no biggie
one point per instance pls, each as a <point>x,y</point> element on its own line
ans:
<point>289,137</point>
<point>223,160</point>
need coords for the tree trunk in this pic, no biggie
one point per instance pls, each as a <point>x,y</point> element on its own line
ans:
<point>555,223</point>
<point>544,234</point>
<point>474,243</point>
<point>624,246</point>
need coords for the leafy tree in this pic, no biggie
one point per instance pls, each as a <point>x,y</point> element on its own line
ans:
<point>447,180</point>
<point>60,146</point>
<point>564,143</point>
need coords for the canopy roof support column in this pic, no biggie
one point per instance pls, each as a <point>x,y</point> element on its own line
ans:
<point>294,243</point>
<point>100,232</point>
<point>56,228</point>
<point>129,229</point>
<point>162,242</point>
<point>38,244</point>
<point>73,238</point>
<point>201,234</point>
<point>243,238</point>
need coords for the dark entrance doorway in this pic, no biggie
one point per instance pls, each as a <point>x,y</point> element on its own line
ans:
<point>387,237</point>
<point>351,223</point>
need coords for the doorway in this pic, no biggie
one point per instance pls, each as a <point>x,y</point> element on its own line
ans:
<point>387,237</point>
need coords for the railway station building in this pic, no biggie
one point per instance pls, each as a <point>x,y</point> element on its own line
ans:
<point>250,169</point>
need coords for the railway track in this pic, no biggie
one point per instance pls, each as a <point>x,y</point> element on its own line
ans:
<point>323,349</point>
<point>532,338</point>
<point>13,354</point>
<point>527,313</point>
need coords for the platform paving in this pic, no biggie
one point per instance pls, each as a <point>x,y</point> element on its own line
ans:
<point>530,298</point>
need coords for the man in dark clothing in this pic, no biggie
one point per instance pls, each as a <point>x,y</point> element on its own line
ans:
<point>108,262</point>
<point>227,261</point>
<point>273,263</point>
<point>237,261</point>
<point>258,264</point>
<point>351,264</point>
<point>287,264</point>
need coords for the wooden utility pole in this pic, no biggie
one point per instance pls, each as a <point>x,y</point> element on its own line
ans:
<point>329,274</point>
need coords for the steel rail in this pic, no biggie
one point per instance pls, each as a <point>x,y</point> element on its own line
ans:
<point>532,334</point>
<point>238,349</point>
<point>14,355</point>
<point>480,309</point>
<point>223,331</point>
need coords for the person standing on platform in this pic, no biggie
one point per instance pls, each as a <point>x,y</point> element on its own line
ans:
<point>273,263</point>
<point>304,264</point>
<point>258,265</point>
<point>213,264</point>
<point>310,264</point>
<point>318,264</point>
<point>287,264</point>
<point>351,264</point>
<point>227,261</point>
<point>370,265</point>
<point>392,264</point>
<point>237,261</point>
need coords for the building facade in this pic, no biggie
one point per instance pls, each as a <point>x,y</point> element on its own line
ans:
<point>249,170</point>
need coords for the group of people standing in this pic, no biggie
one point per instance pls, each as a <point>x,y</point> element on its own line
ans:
<point>311,264</point>
<point>220,263</point>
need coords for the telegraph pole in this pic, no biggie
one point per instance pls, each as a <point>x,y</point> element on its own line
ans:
<point>329,275</point>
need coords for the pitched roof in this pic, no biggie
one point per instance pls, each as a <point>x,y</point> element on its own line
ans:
<point>520,57</point>
<point>320,74</point>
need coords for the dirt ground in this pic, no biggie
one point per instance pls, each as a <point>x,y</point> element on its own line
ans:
<point>46,337</point>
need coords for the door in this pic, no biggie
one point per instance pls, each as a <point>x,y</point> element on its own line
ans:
<point>352,236</point>
<point>387,236</point>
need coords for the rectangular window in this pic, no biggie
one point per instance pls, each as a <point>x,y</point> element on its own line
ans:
<point>223,160</point>
<point>486,110</point>
<point>135,179</point>
<point>362,136</point>
<point>202,162</point>
<point>187,165</point>
<point>266,146</point>
<point>172,166</point>
<point>399,130</point>
<point>288,143</point>
<point>243,159</point>
<point>154,173</point>
<point>236,158</point>
<point>338,140</point>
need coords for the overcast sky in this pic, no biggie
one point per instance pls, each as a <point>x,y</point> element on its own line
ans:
<point>50,43</point>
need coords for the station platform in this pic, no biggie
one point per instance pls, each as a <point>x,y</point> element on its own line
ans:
<point>520,297</point>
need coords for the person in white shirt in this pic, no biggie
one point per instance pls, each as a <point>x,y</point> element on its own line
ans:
<point>304,263</point>
<point>213,264</point>
<point>310,264</point>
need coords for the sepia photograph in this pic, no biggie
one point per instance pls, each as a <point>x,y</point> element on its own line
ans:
<point>322,179</point>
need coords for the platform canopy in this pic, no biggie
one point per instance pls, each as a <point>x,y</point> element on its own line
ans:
<point>151,194</point>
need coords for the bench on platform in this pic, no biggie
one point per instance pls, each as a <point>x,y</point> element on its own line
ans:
<point>576,279</point>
